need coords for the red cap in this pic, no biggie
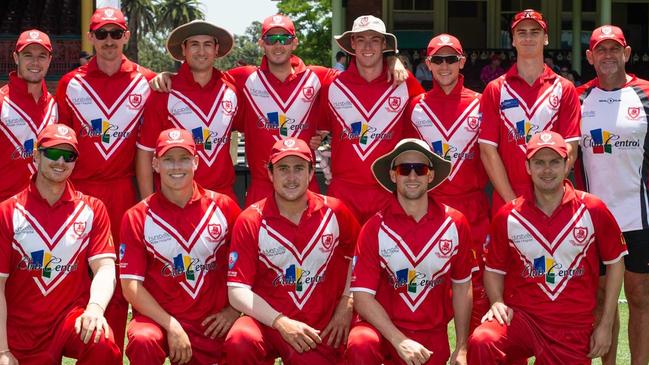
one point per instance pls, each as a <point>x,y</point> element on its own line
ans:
<point>606,32</point>
<point>174,137</point>
<point>33,36</point>
<point>55,134</point>
<point>547,139</point>
<point>107,15</point>
<point>290,147</point>
<point>443,40</point>
<point>532,15</point>
<point>277,21</point>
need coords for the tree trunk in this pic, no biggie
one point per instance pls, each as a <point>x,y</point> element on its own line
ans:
<point>131,49</point>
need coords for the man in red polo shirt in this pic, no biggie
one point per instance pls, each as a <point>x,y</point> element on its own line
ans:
<point>202,100</point>
<point>362,110</point>
<point>290,266</point>
<point>51,235</point>
<point>409,256</point>
<point>26,107</point>
<point>447,117</point>
<point>528,99</point>
<point>173,270</point>
<point>103,102</point>
<point>542,269</point>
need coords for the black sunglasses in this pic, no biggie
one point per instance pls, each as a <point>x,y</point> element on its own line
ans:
<point>54,154</point>
<point>116,34</point>
<point>404,169</point>
<point>283,39</point>
<point>450,59</point>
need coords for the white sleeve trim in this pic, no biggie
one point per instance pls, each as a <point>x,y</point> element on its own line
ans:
<point>487,268</point>
<point>364,290</point>
<point>460,281</point>
<point>610,262</point>
<point>102,256</point>
<point>131,277</point>
<point>144,148</point>
<point>486,141</point>
<point>239,285</point>
<point>572,139</point>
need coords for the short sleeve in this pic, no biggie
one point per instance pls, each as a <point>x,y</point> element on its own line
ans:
<point>497,251</point>
<point>101,243</point>
<point>244,247</point>
<point>489,108</point>
<point>6,237</point>
<point>349,229</point>
<point>366,263</point>
<point>465,262</point>
<point>568,121</point>
<point>133,262</point>
<point>610,241</point>
<point>154,118</point>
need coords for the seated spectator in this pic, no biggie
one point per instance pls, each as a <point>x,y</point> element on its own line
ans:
<point>492,70</point>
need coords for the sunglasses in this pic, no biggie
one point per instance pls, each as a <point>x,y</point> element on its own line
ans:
<point>54,154</point>
<point>529,14</point>
<point>450,59</point>
<point>283,39</point>
<point>404,169</point>
<point>116,34</point>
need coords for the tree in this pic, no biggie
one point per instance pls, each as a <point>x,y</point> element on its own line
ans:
<point>245,49</point>
<point>173,13</point>
<point>153,53</point>
<point>140,21</point>
<point>312,19</point>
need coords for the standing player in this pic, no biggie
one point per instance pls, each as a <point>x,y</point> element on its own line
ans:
<point>614,134</point>
<point>50,236</point>
<point>447,117</point>
<point>290,266</point>
<point>103,102</point>
<point>542,269</point>
<point>202,100</point>
<point>408,258</point>
<point>174,265</point>
<point>528,99</point>
<point>363,113</point>
<point>26,107</point>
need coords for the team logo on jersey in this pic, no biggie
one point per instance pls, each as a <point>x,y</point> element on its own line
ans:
<point>360,131</point>
<point>524,131</point>
<point>103,130</point>
<point>413,281</point>
<point>327,241</point>
<point>227,106</point>
<point>509,103</point>
<point>547,270</point>
<point>280,122</point>
<point>184,264</point>
<point>214,230</point>
<point>79,228</point>
<point>24,151</point>
<point>553,100</point>
<point>135,100</point>
<point>44,262</point>
<point>394,102</point>
<point>443,150</point>
<point>602,141</point>
<point>232,259</point>
<point>633,112</point>
<point>308,92</point>
<point>473,122</point>
<point>580,234</point>
<point>445,247</point>
<point>207,139</point>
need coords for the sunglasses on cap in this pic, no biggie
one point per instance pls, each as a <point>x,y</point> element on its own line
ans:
<point>529,14</point>
<point>404,169</point>
<point>54,154</point>
<point>283,39</point>
<point>450,59</point>
<point>116,34</point>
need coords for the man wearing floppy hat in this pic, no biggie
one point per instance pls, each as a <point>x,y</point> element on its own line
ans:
<point>542,269</point>
<point>408,257</point>
<point>51,236</point>
<point>613,135</point>
<point>448,118</point>
<point>363,113</point>
<point>202,100</point>
<point>103,102</point>
<point>26,107</point>
<point>174,262</point>
<point>528,99</point>
<point>290,267</point>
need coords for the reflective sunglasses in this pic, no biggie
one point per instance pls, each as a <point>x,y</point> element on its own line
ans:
<point>404,169</point>
<point>116,34</point>
<point>283,39</point>
<point>450,59</point>
<point>54,154</point>
<point>529,14</point>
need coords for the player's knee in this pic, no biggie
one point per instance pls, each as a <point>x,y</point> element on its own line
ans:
<point>242,341</point>
<point>362,343</point>
<point>144,338</point>
<point>104,352</point>
<point>637,294</point>
<point>483,336</point>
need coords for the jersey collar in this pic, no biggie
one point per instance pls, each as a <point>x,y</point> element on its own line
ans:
<point>437,91</point>
<point>186,74</point>
<point>69,193</point>
<point>546,75</point>
<point>19,85</point>
<point>313,204</point>
<point>125,66</point>
<point>296,63</point>
<point>435,210</point>
<point>197,194</point>
<point>354,75</point>
<point>568,196</point>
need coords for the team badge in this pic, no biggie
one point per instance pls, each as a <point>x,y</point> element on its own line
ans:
<point>327,241</point>
<point>174,135</point>
<point>135,100</point>
<point>445,247</point>
<point>227,106</point>
<point>546,138</point>
<point>607,30</point>
<point>473,122</point>
<point>633,112</point>
<point>394,102</point>
<point>277,20</point>
<point>62,130</point>
<point>308,92</point>
<point>445,39</point>
<point>364,21</point>
<point>214,230</point>
<point>232,259</point>
<point>554,101</point>
<point>34,35</point>
<point>79,228</point>
<point>289,143</point>
<point>108,14</point>
<point>580,233</point>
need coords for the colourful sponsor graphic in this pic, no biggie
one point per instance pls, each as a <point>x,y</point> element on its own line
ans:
<point>359,130</point>
<point>442,149</point>
<point>29,146</point>
<point>101,128</point>
<point>293,275</point>
<point>202,138</point>
<point>545,266</point>
<point>278,121</point>
<point>525,130</point>
<point>183,263</point>
<point>232,259</point>
<point>122,250</point>
<point>406,277</point>
<point>601,141</point>
<point>41,259</point>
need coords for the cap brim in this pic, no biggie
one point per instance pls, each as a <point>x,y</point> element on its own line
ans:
<point>619,41</point>
<point>48,49</point>
<point>178,36</point>
<point>382,166</point>
<point>164,149</point>
<point>281,155</point>
<point>53,143</point>
<point>344,41</point>
<point>99,25</point>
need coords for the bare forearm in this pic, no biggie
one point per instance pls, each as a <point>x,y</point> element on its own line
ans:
<point>495,168</point>
<point>462,305</point>
<point>144,172</point>
<point>103,284</point>
<point>144,303</point>
<point>4,344</point>
<point>248,302</point>
<point>372,311</point>
<point>614,277</point>
<point>494,286</point>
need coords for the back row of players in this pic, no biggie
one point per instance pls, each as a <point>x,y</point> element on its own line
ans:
<point>284,100</point>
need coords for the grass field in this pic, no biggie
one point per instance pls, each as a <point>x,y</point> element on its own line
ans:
<point>623,356</point>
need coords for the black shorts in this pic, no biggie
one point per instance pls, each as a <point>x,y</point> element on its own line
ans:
<point>637,261</point>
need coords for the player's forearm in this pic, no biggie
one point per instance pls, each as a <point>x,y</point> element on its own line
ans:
<point>495,168</point>
<point>494,284</point>
<point>4,344</point>
<point>249,303</point>
<point>572,154</point>
<point>462,305</point>
<point>144,172</point>
<point>142,301</point>
<point>613,285</point>
<point>348,282</point>
<point>372,311</point>
<point>103,282</point>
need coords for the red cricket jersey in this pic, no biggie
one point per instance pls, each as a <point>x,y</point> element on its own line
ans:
<point>21,119</point>
<point>180,254</point>
<point>300,270</point>
<point>551,264</point>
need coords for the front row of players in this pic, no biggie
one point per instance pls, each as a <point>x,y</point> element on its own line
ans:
<point>290,269</point>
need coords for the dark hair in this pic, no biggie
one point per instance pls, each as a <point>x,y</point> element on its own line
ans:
<point>339,55</point>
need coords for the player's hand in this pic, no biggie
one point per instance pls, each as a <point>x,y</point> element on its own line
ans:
<point>220,322</point>
<point>91,320</point>
<point>317,138</point>
<point>500,312</point>
<point>299,335</point>
<point>8,358</point>
<point>162,82</point>
<point>412,352</point>
<point>458,357</point>
<point>180,349</point>
<point>338,327</point>
<point>600,341</point>
<point>397,72</point>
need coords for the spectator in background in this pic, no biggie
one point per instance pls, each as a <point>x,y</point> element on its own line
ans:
<point>84,58</point>
<point>341,61</point>
<point>492,70</point>
<point>548,60</point>
<point>570,74</point>
<point>423,75</point>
